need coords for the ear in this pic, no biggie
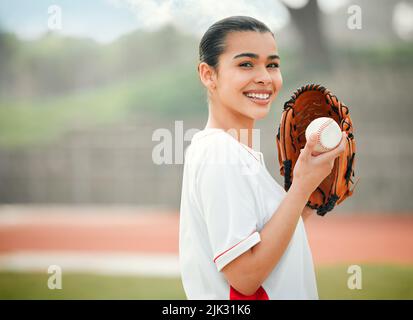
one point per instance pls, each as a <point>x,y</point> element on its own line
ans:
<point>207,75</point>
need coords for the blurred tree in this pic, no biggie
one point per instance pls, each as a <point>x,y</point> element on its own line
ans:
<point>307,19</point>
<point>56,65</point>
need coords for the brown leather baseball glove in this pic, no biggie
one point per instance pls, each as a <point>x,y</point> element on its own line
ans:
<point>306,104</point>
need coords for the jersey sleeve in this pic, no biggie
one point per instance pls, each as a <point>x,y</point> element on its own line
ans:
<point>228,196</point>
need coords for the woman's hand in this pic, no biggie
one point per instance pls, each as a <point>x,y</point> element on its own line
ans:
<point>311,169</point>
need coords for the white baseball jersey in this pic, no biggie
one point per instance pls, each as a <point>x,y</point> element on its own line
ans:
<point>228,195</point>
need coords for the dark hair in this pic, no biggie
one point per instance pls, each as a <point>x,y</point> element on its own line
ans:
<point>212,44</point>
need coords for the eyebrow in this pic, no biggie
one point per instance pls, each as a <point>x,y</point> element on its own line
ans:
<point>256,56</point>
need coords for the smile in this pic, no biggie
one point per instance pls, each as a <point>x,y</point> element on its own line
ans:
<point>258,98</point>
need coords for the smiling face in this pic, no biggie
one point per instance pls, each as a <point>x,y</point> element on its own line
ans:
<point>248,78</point>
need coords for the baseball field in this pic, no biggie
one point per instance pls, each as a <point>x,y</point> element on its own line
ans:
<point>132,253</point>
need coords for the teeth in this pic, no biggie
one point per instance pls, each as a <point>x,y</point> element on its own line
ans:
<point>262,96</point>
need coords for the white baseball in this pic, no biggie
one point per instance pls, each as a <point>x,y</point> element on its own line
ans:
<point>328,133</point>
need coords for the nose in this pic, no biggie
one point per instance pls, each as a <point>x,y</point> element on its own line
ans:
<point>263,77</point>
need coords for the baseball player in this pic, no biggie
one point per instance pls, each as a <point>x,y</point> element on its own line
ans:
<point>242,235</point>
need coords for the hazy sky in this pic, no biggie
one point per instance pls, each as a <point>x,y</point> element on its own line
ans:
<point>105,20</point>
<point>99,19</point>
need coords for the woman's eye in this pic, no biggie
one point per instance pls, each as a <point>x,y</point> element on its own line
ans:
<point>246,64</point>
<point>249,64</point>
<point>273,65</point>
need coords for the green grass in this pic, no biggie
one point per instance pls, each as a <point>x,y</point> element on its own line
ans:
<point>89,286</point>
<point>378,282</point>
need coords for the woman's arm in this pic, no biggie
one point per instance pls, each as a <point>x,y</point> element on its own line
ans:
<point>247,272</point>
<point>307,213</point>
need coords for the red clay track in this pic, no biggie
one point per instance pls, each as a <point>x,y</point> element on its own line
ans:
<point>336,238</point>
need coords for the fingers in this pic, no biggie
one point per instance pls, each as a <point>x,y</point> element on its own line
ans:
<point>309,146</point>
<point>334,153</point>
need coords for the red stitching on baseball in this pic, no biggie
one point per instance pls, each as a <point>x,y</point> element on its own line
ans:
<point>322,127</point>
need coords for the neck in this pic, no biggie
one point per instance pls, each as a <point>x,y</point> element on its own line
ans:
<point>239,126</point>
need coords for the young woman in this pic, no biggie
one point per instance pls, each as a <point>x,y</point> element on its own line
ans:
<point>241,235</point>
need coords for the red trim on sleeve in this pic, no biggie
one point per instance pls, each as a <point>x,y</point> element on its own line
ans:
<point>233,246</point>
<point>260,294</point>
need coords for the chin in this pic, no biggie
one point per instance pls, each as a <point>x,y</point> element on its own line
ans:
<point>260,113</point>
